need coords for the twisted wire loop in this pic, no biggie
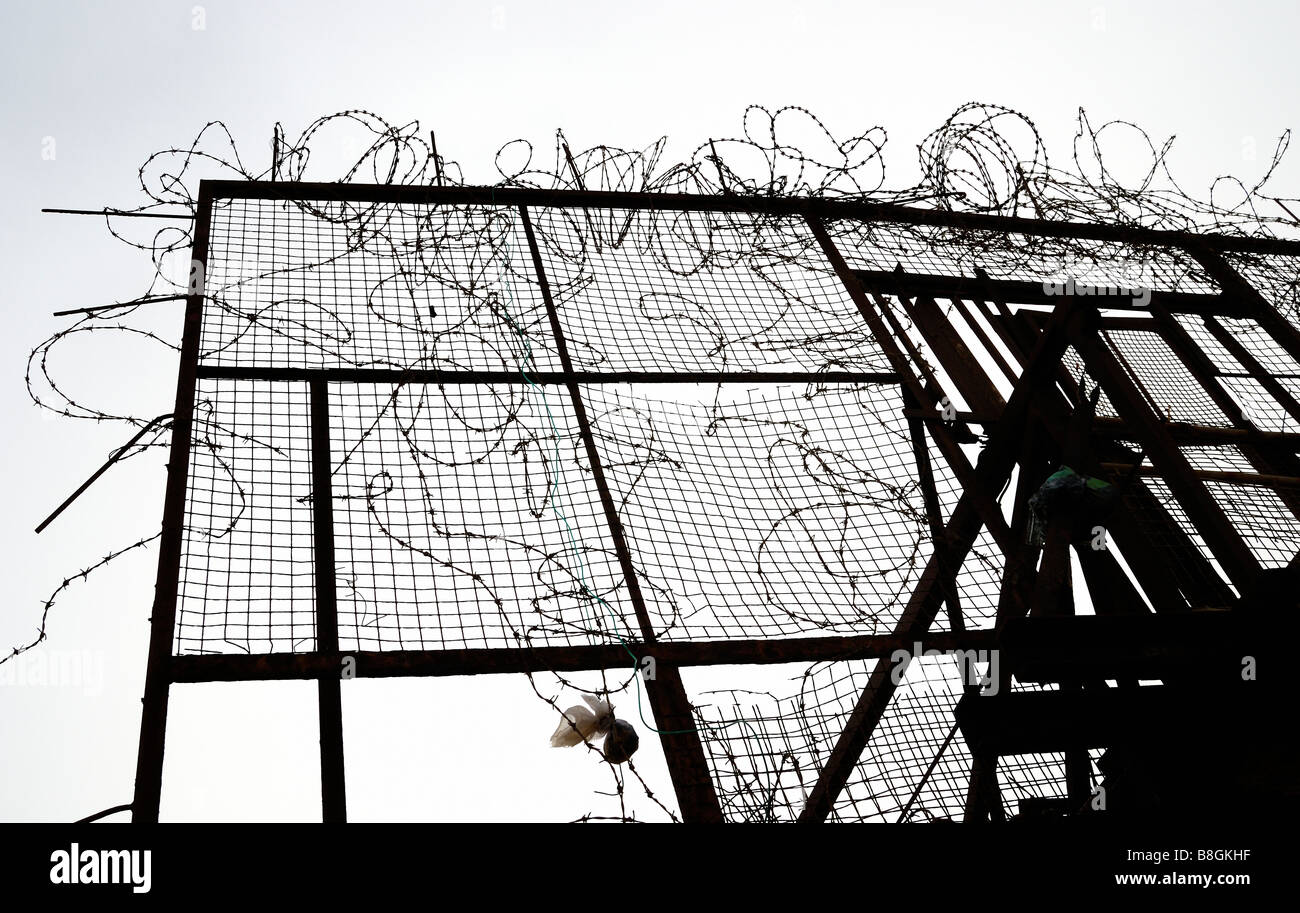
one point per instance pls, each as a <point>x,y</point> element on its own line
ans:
<point>466,514</point>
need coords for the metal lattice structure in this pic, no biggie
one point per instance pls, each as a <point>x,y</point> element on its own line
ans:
<point>459,431</point>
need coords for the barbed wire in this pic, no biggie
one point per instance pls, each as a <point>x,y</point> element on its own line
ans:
<point>444,287</point>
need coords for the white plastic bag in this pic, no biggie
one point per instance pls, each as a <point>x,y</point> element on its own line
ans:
<point>581,724</point>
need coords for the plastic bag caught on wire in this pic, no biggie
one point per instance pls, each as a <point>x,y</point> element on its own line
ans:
<point>581,724</point>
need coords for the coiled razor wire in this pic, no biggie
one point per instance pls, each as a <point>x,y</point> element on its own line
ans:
<point>806,516</point>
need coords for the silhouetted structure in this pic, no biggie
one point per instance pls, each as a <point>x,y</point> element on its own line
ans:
<point>417,429</point>
<point>698,418</point>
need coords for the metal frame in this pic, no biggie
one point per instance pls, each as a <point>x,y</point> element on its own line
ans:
<point>1030,405</point>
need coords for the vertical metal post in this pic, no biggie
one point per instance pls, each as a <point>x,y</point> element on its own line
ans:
<point>983,795</point>
<point>668,701</point>
<point>933,510</point>
<point>162,622</point>
<point>332,781</point>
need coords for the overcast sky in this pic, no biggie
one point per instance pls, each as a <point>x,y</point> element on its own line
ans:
<point>90,89</point>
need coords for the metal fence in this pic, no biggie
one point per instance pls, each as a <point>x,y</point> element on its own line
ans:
<point>451,431</point>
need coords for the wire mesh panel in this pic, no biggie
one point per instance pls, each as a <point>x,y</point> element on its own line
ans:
<point>700,291</point>
<point>246,582</point>
<point>466,516</point>
<point>1275,277</point>
<point>1271,355</point>
<point>306,284</point>
<point>767,750</point>
<point>1109,268</point>
<point>765,512</point>
<point>1164,378</point>
<point>1267,524</point>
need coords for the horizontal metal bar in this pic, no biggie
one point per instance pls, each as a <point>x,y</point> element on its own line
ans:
<point>118,213</point>
<point>1268,480</point>
<point>1145,647</point>
<point>396,663</point>
<point>815,206</point>
<point>1114,428</point>
<point>439,376</point>
<point>1018,291</point>
<point>120,304</point>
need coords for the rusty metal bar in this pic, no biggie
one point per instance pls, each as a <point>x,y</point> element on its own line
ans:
<point>97,309</point>
<point>510,660</point>
<point>1213,475</point>
<point>1186,433</point>
<point>330,700</point>
<point>933,510</point>
<point>122,213</point>
<point>983,796</point>
<point>672,710</point>
<point>436,376</point>
<point>162,621</point>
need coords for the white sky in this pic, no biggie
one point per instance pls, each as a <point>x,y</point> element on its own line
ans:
<point>111,83</point>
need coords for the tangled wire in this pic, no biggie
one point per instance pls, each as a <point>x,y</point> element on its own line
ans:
<point>451,288</point>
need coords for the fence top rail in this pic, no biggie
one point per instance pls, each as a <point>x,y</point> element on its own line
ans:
<point>823,207</point>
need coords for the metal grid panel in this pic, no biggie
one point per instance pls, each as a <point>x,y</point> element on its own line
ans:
<point>1163,377</point>
<point>927,250</point>
<point>1272,357</point>
<point>325,285</point>
<point>698,291</point>
<point>246,582</point>
<point>1262,519</point>
<point>766,512</point>
<point>1219,356</point>
<point>908,739</point>
<point>1227,458</point>
<point>1275,277</point>
<point>1258,406</point>
<point>466,517</point>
